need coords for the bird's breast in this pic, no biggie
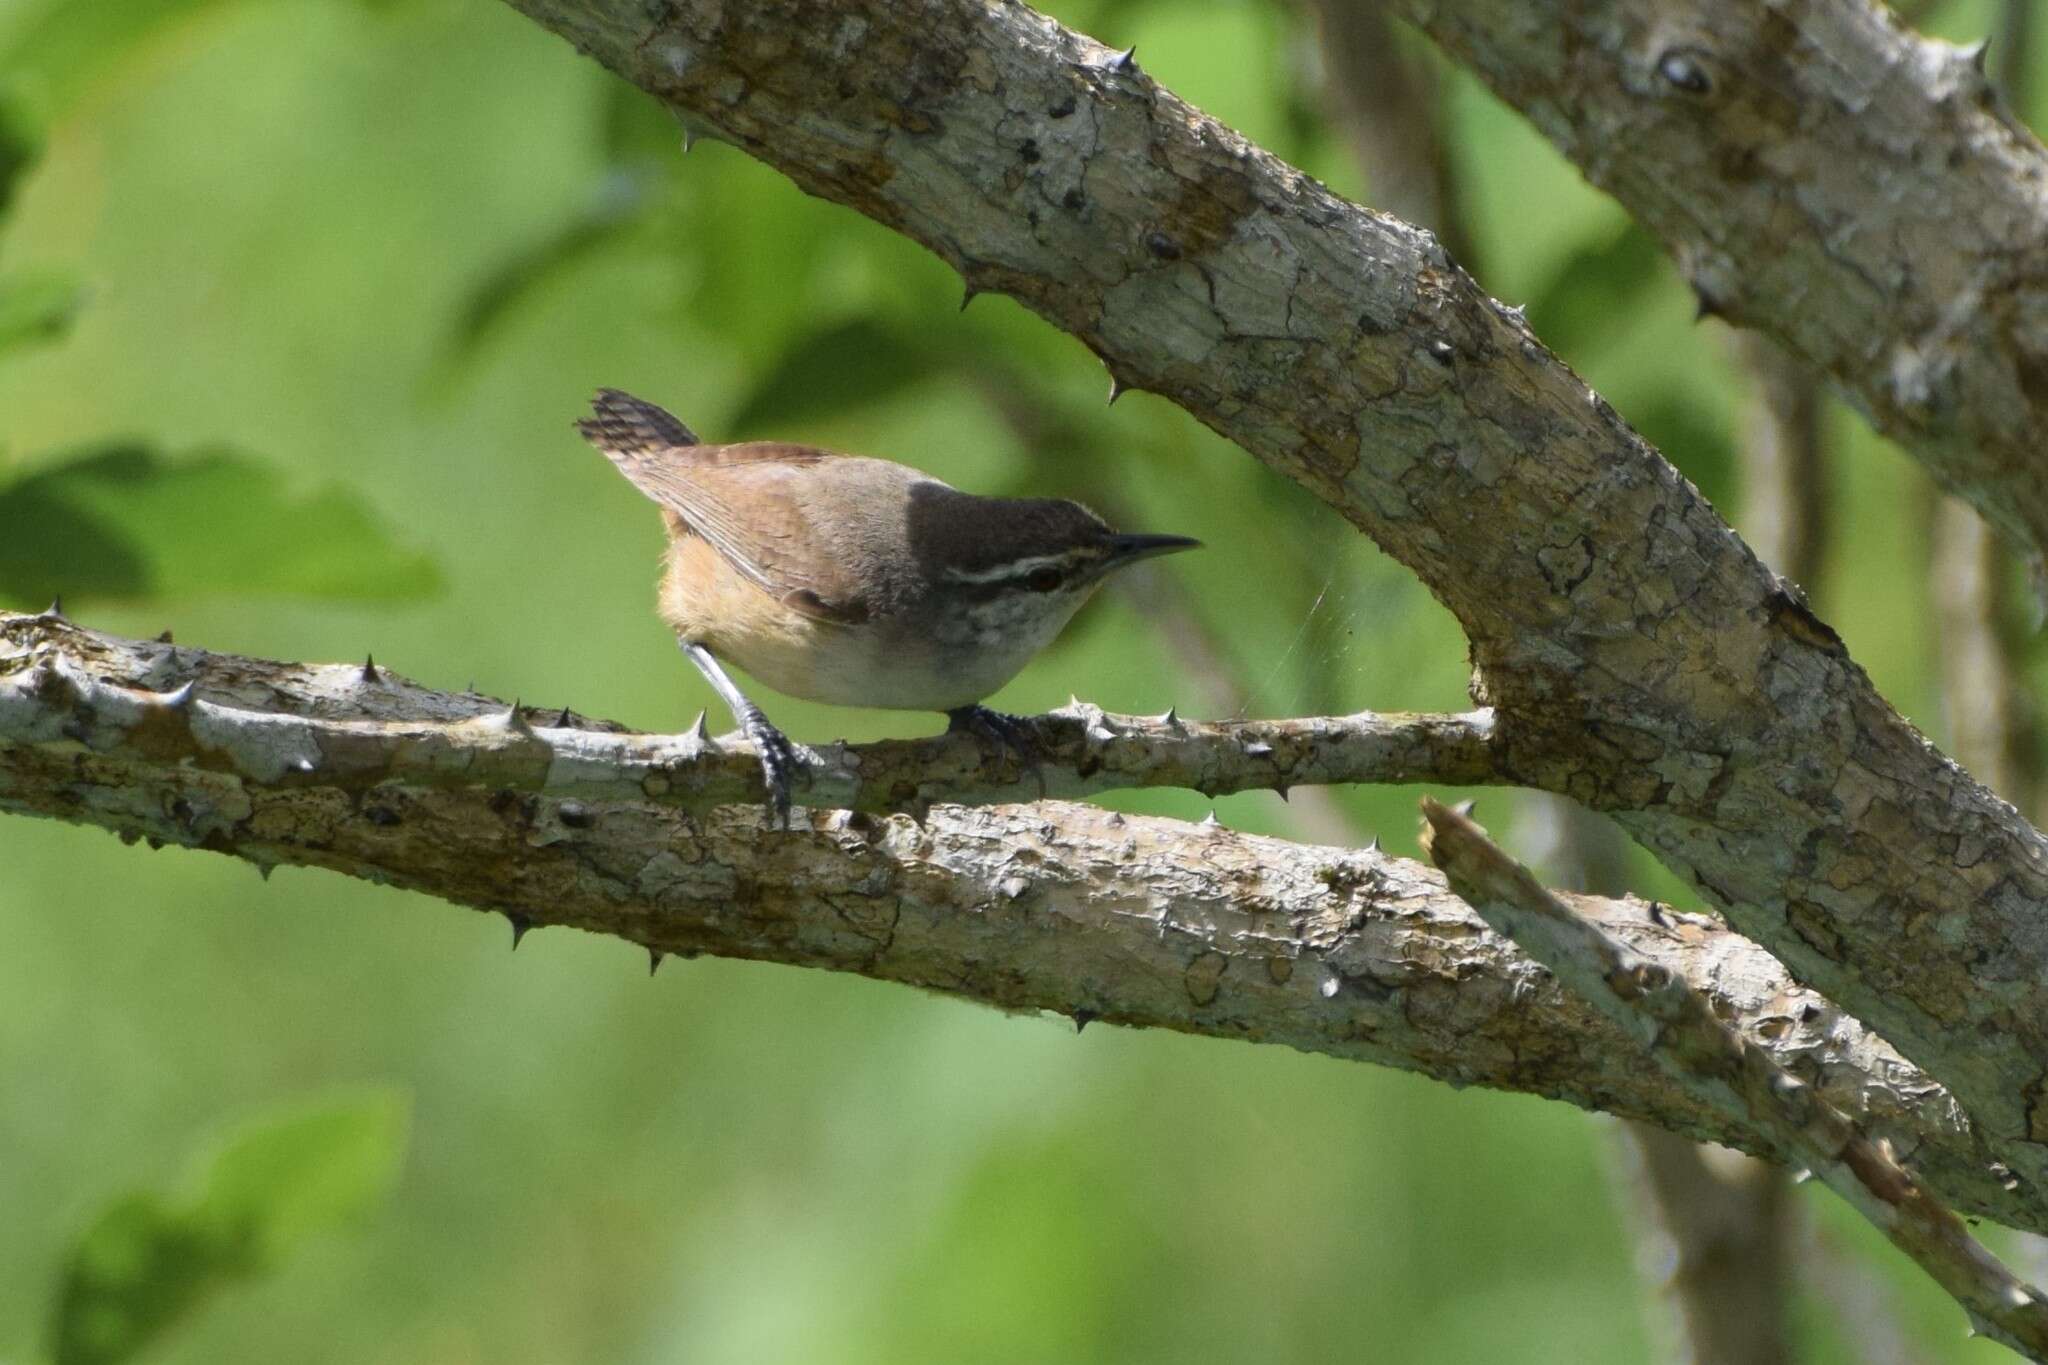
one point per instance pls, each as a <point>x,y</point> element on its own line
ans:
<point>921,658</point>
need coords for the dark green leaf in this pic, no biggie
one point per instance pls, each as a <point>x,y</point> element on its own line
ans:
<point>1692,436</point>
<point>1600,282</point>
<point>124,521</point>
<point>842,366</point>
<point>150,1260</point>
<point>37,307</point>
<point>21,145</point>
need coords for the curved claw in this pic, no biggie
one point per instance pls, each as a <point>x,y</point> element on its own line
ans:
<point>780,759</point>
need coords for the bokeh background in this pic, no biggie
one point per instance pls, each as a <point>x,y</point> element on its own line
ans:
<point>297,301</point>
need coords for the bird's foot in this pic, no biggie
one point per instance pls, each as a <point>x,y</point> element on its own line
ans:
<point>1013,733</point>
<point>780,762</point>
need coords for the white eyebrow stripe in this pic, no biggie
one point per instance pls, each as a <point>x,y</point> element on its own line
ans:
<point>1017,568</point>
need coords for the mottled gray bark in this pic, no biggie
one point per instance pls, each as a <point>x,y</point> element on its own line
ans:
<point>1637,655</point>
<point>1047,906</point>
<point>1679,1027</point>
<point>1825,175</point>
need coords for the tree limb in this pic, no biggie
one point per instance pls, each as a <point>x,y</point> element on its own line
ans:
<point>1680,1029</point>
<point>1086,912</point>
<point>1638,657</point>
<point>258,719</point>
<point>1827,176</point>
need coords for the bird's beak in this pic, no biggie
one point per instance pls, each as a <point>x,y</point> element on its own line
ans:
<point>1130,549</point>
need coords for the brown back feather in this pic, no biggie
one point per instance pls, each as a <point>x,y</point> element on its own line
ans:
<point>740,498</point>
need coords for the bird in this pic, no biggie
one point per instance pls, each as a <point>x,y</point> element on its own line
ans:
<point>852,580</point>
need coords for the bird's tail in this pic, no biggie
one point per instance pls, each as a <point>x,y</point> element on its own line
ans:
<point>624,425</point>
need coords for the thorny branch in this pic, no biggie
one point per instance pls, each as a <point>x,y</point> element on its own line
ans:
<point>1677,1025</point>
<point>1050,906</point>
<point>1636,654</point>
<point>429,737</point>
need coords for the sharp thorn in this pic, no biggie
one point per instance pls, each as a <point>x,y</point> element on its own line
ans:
<point>1258,748</point>
<point>514,721</point>
<point>1210,821</point>
<point>1281,791</point>
<point>1116,389</point>
<point>370,674</point>
<point>303,766</point>
<point>520,924</point>
<point>565,720</point>
<point>1170,718</point>
<point>1126,60</point>
<point>1084,1017</point>
<point>690,134</point>
<point>1465,807</point>
<point>264,870</point>
<point>178,698</point>
<point>1374,846</point>
<point>164,638</point>
<point>55,611</point>
<point>654,956</point>
<point>1976,54</point>
<point>968,297</point>
<point>699,731</point>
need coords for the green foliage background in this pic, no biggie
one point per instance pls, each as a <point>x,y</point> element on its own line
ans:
<point>337,276</point>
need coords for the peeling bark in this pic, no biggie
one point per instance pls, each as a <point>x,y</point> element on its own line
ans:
<point>1095,915</point>
<point>1638,656</point>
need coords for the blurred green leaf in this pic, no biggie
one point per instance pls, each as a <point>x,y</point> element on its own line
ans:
<point>21,145</point>
<point>149,1259</point>
<point>844,365</point>
<point>609,220</point>
<point>1693,436</point>
<point>1603,280</point>
<point>124,521</point>
<point>37,307</point>
<point>635,129</point>
<point>64,44</point>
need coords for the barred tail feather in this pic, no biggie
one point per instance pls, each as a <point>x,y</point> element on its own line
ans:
<point>624,425</point>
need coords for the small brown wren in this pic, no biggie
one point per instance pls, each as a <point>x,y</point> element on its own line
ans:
<point>855,581</point>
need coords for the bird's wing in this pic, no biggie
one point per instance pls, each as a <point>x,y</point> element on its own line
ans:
<point>742,499</point>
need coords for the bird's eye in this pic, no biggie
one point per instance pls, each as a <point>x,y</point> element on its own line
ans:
<point>1043,580</point>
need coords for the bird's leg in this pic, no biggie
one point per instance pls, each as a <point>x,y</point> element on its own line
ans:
<point>1004,731</point>
<point>779,758</point>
